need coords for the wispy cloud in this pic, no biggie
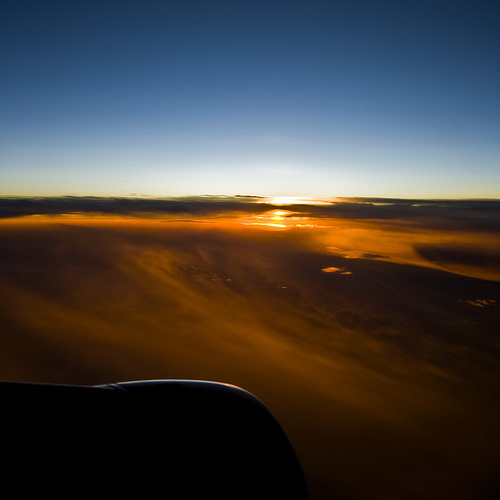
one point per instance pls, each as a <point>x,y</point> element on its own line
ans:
<point>336,270</point>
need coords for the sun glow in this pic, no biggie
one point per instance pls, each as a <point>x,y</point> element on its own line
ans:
<point>294,200</point>
<point>281,219</point>
<point>274,218</point>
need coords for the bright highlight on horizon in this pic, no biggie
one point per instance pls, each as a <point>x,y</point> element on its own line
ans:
<point>296,200</point>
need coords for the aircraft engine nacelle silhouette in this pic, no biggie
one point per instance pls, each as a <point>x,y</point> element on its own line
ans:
<point>177,439</point>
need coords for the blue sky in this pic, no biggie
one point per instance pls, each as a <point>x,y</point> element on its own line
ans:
<point>337,98</point>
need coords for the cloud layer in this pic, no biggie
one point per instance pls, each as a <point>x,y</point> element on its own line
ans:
<point>385,379</point>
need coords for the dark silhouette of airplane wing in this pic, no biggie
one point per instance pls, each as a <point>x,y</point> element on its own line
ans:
<point>147,439</point>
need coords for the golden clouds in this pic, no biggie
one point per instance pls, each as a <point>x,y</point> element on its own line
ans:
<point>464,252</point>
<point>278,219</point>
<point>380,378</point>
<point>336,270</point>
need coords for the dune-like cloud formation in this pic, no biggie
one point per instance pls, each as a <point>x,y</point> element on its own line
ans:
<point>480,302</point>
<point>385,379</point>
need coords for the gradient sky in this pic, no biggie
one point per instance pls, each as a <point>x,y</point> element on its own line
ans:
<point>272,98</point>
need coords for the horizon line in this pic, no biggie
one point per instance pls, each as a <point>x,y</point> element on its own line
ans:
<point>278,200</point>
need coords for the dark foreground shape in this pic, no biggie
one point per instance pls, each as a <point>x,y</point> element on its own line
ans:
<point>153,439</point>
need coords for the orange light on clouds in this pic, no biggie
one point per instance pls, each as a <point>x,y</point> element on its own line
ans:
<point>332,321</point>
<point>336,270</point>
<point>281,219</point>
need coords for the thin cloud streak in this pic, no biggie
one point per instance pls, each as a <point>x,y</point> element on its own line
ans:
<point>482,213</point>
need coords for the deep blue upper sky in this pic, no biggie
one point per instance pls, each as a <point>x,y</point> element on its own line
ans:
<point>313,98</point>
